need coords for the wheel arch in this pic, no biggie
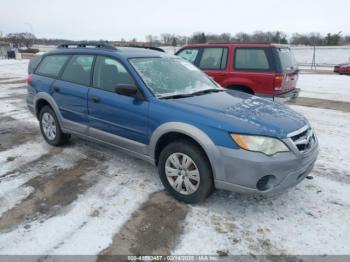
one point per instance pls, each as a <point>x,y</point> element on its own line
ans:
<point>177,129</point>
<point>42,99</point>
<point>243,88</point>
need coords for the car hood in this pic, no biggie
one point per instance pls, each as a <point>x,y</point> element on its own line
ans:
<point>242,113</point>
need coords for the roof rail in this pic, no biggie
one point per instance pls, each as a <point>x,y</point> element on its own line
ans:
<point>147,47</point>
<point>87,44</point>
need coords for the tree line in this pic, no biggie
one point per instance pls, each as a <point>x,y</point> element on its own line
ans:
<point>27,40</point>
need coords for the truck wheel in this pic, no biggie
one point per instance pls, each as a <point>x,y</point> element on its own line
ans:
<point>185,172</point>
<point>50,127</point>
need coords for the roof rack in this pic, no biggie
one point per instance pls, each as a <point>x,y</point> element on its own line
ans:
<point>147,47</point>
<point>86,44</point>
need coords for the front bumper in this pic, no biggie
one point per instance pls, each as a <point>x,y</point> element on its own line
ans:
<point>243,169</point>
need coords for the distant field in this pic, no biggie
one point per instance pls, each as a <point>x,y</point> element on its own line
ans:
<point>324,55</point>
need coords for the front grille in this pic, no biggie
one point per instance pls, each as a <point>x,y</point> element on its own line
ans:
<point>304,140</point>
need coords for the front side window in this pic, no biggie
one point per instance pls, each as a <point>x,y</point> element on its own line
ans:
<point>78,70</point>
<point>190,54</point>
<point>251,59</point>
<point>214,58</point>
<point>166,76</point>
<point>51,65</point>
<point>109,73</point>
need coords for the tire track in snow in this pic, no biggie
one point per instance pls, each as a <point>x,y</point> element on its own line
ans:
<point>49,195</point>
<point>153,229</point>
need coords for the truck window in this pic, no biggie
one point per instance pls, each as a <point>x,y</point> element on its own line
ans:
<point>251,59</point>
<point>190,54</point>
<point>214,58</point>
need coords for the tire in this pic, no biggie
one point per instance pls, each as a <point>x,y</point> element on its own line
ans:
<point>202,182</point>
<point>48,121</point>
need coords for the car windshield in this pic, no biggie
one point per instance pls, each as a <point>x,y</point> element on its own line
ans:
<point>169,76</point>
<point>287,59</point>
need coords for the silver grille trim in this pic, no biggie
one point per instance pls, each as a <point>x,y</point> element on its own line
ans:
<point>303,139</point>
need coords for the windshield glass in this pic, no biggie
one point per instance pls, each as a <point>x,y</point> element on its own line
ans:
<point>168,76</point>
<point>287,59</point>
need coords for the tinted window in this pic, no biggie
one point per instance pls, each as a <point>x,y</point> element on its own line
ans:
<point>109,73</point>
<point>190,54</point>
<point>213,58</point>
<point>287,59</point>
<point>78,69</point>
<point>52,65</point>
<point>251,59</point>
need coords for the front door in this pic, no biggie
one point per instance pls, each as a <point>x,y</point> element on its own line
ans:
<point>114,118</point>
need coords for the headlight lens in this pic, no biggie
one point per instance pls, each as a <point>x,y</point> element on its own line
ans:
<point>266,145</point>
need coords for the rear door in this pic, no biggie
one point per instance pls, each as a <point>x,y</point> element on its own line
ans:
<point>113,116</point>
<point>255,67</point>
<point>71,90</point>
<point>213,61</point>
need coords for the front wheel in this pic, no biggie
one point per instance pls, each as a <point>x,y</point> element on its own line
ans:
<point>185,172</point>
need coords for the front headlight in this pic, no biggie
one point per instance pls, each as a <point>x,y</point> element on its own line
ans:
<point>266,145</point>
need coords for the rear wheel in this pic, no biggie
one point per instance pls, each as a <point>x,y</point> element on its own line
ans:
<point>50,127</point>
<point>185,172</point>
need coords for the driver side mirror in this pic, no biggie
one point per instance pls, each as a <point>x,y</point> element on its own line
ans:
<point>128,90</point>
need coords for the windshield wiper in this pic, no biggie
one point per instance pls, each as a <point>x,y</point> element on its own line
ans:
<point>201,92</point>
<point>206,91</point>
<point>175,96</point>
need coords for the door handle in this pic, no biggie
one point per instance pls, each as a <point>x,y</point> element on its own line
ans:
<point>56,88</point>
<point>96,99</point>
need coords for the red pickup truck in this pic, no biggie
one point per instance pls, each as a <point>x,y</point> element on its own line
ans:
<point>267,70</point>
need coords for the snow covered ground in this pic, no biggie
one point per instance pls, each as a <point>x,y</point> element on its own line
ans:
<point>325,86</point>
<point>77,199</point>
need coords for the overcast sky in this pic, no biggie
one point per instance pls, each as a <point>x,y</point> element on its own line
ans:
<point>116,19</point>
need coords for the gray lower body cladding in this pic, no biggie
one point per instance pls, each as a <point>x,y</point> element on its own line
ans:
<point>242,170</point>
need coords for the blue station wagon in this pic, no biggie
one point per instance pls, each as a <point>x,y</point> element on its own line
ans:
<point>161,108</point>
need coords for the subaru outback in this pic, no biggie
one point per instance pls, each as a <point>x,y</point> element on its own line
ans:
<point>163,109</point>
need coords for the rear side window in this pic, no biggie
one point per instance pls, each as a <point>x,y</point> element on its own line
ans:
<point>251,59</point>
<point>214,58</point>
<point>52,65</point>
<point>109,73</point>
<point>190,54</point>
<point>78,70</point>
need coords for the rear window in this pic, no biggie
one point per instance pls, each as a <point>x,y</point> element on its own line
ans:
<point>251,59</point>
<point>52,65</point>
<point>214,58</point>
<point>287,59</point>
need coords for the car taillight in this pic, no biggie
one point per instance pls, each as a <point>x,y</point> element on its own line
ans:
<point>29,79</point>
<point>277,82</point>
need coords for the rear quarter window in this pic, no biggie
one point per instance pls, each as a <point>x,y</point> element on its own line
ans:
<point>251,59</point>
<point>51,65</point>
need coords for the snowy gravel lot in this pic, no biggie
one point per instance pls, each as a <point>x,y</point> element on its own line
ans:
<point>87,199</point>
